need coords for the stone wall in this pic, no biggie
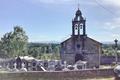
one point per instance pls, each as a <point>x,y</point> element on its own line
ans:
<point>107,60</point>
<point>92,60</point>
<point>68,75</point>
<point>70,50</point>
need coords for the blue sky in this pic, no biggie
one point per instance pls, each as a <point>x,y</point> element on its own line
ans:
<point>50,20</point>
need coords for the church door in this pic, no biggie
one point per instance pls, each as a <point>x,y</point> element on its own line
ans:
<point>79,57</point>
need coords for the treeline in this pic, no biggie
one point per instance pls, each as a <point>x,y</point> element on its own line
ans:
<point>109,49</point>
<point>105,46</point>
<point>44,50</point>
<point>15,43</point>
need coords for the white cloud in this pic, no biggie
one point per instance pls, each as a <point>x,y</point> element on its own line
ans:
<point>112,6</point>
<point>113,24</point>
<point>115,3</point>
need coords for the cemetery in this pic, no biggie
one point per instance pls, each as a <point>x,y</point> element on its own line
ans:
<point>31,64</point>
<point>23,68</point>
<point>78,57</point>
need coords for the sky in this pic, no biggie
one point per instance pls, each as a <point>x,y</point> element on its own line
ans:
<point>50,20</point>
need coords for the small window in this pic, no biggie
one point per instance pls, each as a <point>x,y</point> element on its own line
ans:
<point>78,45</point>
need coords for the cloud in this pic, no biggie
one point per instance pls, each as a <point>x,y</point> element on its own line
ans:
<point>113,24</point>
<point>115,3</point>
<point>111,6</point>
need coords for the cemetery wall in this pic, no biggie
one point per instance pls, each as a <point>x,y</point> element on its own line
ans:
<point>107,60</point>
<point>67,75</point>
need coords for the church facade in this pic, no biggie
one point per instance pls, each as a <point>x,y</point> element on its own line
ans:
<point>80,47</point>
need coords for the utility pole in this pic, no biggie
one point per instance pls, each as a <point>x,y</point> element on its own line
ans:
<point>116,47</point>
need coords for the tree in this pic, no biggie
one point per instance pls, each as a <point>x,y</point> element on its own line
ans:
<point>15,43</point>
<point>6,43</point>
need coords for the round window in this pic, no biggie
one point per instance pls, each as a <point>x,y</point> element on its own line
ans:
<point>78,45</point>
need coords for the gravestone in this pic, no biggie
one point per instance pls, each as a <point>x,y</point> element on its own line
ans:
<point>23,69</point>
<point>18,63</point>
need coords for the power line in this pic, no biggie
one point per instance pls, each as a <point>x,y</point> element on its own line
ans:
<point>96,1</point>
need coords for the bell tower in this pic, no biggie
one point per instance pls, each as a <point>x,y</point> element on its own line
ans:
<point>78,24</point>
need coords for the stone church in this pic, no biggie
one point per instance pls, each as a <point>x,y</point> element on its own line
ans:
<point>79,46</point>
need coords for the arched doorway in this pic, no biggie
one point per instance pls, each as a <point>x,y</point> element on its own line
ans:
<point>79,57</point>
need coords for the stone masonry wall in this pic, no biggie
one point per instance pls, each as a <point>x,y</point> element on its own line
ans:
<point>107,60</point>
<point>68,75</point>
